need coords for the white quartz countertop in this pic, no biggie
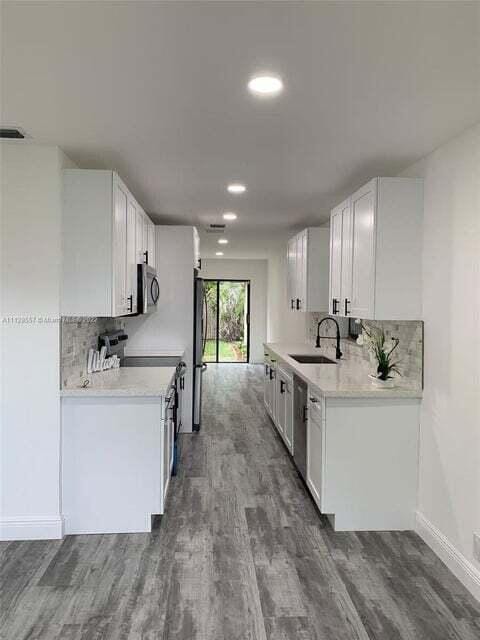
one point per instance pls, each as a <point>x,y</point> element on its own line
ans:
<point>345,379</point>
<point>125,381</point>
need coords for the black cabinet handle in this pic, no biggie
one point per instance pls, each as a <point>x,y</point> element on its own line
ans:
<point>347,302</point>
<point>282,386</point>
<point>266,369</point>
<point>130,303</point>
<point>304,417</point>
<point>271,373</point>
<point>292,304</point>
<point>298,304</point>
<point>334,306</point>
<point>145,253</point>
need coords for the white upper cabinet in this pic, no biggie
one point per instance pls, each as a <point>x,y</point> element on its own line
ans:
<point>197,261</point>
<point>101,244</point>
<point>307,270</point>
<point>131,262</point>
<point>145,240</point>
<point>120,209</point>
<point>151,243</point>
<point>376,244</point>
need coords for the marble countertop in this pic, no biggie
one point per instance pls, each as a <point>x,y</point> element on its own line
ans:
<point>345,379</point>
<point>125,381</point>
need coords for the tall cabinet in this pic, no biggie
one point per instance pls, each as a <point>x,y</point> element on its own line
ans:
<point>105,234</point>
<point>376,251</point>
<point>307,270</point>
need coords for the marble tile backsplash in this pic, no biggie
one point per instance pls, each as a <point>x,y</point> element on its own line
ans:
<point>76,340</point>
<point>409,350</point>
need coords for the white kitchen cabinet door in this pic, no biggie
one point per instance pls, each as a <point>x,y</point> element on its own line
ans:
<point>280,402</point>
<point>288,414</point>
<point>336,227</point>
<point>120,199</point>
<point>141,248</point>
<point>131,276</point>
<point>381,251</point>
<point>308,270</point>
<point>363,251</point>
<point>291,272</point>
<point>151,243</point>
<point>315,451</point>
<point>285,397</point>
<point>302,249</point>
<point>267,388</point>
<point>346,283</point>
<point>197,260</point>
<point>272,379</point>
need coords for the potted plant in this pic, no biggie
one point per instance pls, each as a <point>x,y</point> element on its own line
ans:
<point>383,353</point>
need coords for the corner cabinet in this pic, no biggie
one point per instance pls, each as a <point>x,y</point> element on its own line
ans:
<point>376,251</point>
<point>307,270</point>
<point>105,235</point>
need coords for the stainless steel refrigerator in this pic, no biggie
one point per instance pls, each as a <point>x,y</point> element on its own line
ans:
<point>199,366</point>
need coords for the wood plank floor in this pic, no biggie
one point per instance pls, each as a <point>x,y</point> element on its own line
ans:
<point>241,554</point>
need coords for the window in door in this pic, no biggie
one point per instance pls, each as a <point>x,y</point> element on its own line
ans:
<point>227,321</point>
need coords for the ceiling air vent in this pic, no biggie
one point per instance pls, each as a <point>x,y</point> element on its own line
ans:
<point>12,134</point>
<point>215,228</point>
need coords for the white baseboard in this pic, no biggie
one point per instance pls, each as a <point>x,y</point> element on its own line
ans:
<point>31,528</point>
<point>460,566</point>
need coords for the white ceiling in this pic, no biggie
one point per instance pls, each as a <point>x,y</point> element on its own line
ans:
<point>157,90</point>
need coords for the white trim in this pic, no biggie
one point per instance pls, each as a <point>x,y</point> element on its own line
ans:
<point>31,528</point>
<point>460,566</point>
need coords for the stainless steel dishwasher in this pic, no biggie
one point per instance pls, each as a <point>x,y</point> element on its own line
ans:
<point>300,403</point>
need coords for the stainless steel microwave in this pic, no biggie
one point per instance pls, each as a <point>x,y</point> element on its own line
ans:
<point>148,289</point>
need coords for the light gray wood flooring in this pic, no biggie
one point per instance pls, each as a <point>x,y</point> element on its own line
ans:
<point>241,554</point>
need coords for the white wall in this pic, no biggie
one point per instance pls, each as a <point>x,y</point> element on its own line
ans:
<point>170,327</point>
<point>256,272</point>
<point>30,351</point>
<point>449,484</point>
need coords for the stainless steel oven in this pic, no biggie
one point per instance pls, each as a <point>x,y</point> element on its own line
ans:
<point>148,288</point>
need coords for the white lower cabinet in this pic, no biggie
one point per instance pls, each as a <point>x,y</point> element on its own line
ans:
<point>284,405</point>
<point>315,449</point>
<point>362,461</point>
<point>361,452</point>
<point>278,398</point>
<point>269,393</point>
<point>117,455</point>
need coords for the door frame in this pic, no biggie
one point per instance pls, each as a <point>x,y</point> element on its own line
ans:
<point>247,300</point>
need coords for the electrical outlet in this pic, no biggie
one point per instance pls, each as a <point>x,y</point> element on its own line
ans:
<point>476,546</point>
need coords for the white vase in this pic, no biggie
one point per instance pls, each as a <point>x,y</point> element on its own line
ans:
<point>382,384</point>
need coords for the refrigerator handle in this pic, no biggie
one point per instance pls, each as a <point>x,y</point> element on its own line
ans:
<point>204,328</point>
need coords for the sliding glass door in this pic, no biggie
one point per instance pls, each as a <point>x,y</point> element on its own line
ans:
<point>227,321</point>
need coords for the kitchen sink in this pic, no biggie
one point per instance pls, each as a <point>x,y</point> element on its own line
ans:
<point>304,359</point>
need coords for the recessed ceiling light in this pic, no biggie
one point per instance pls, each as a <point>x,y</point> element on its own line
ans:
<point>265,85</point>
<point>219,253</point>
<point>229,215</point>
<point>223,241</point>
<point>236,187</point>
